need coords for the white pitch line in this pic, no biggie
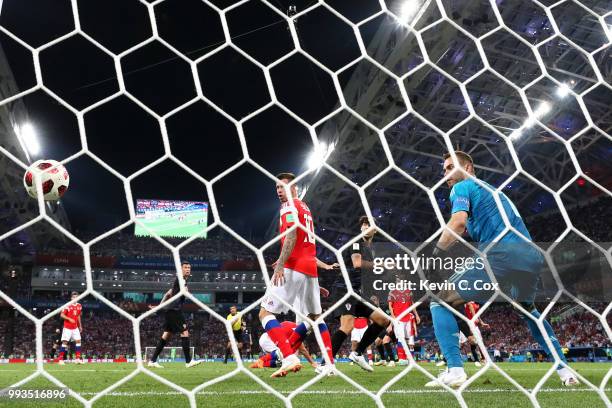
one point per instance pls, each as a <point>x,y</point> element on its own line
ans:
<point>167,369</point>
<point>90,371</point>
<point>332,392</point>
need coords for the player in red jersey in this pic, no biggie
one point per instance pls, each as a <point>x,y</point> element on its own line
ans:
<point>72,329</point>
<point>360,325</point>
<point>405,329</point>
<point>295,279</point>
<point>468,335</point>
<point>270,359</point>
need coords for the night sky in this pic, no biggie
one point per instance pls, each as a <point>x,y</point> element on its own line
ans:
<point>128,138</point>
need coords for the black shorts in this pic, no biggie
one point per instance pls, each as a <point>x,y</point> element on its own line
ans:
<point>175,322</point>
<point>354,308</point>
<point>464,328</point>
<point>238,335</point>
<point>383,333</point>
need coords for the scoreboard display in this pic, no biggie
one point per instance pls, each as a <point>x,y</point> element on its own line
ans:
<point>171,218</point>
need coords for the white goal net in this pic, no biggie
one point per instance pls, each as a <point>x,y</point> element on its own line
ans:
<point>420,19</point>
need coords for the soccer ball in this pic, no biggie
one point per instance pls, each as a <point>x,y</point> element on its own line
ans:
<point>54,181</point>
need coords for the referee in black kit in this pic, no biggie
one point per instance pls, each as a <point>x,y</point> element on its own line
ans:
<point>175,322</point>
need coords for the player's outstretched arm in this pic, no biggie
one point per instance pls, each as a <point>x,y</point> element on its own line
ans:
<point>327,267</point>
<point>356,260</point>
<point>457,224</point>
<point>360,263</point>
<point>278,278</point>
<point>304,351</point>
<point>417,318</point>
<point>167,295</point>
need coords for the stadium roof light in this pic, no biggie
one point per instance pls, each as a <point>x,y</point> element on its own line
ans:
<point>563,90</point>
<point>516,134</point>
<point>542,110</point>
<point>27,134</point>
<point>320,154</point>
<point>408,10</point>
<point>317,157</point>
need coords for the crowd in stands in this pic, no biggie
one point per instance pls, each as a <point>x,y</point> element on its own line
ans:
<point>574,327</point>
<point>595,225</point>
<point>108,335</point>
<point>219,245</point>
<point>577,329</point>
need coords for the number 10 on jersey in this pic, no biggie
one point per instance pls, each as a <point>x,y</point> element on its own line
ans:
<point>310,227</point>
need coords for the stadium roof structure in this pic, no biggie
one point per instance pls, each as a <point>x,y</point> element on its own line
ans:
<point>356,151</point>
<point>16,207</point>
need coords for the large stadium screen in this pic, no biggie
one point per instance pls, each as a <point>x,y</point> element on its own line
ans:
<point>204,297</point>
<point>158,296</point>
<point>135,297</point>
<point>170,218</point>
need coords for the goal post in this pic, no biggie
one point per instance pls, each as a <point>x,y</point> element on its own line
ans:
<point>168,354</point>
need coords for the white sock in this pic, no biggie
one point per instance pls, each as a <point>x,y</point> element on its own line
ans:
<point>456,371</point>
<point>564,372</point>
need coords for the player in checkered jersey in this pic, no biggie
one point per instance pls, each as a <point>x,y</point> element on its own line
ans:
<point>72,330</point>
<point>355,316</point>
<point>295,279</point>
<point>175,322</point>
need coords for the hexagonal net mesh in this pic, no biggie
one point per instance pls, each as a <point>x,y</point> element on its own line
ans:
<point>410,16</point>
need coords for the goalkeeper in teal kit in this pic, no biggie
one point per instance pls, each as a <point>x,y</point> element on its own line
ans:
<point>514,261</point>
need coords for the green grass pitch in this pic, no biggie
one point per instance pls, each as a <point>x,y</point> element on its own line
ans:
<point>172,227</point>
<point>490,390</point>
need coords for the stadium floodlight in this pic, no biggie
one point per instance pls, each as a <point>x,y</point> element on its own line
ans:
<point>516,134</point>
<point>530,122</point>
<point>318,157</point>
<point>542,110</point>
<point>563,90</point>
<point>28,137</point>
<point>409,10</point>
